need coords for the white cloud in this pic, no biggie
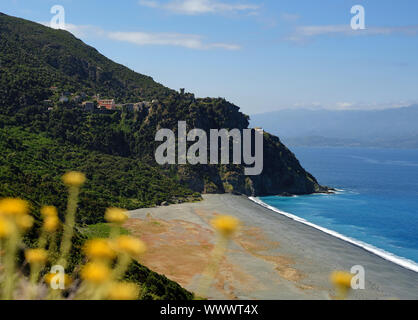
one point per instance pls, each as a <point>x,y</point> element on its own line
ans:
<point>195,7</point>
<point>359,105</point>
<point>80,31</point>
<point>189,41</point>
<point>343,105</point>
<point>371,105</point>
<point>289,17</point>
<point>303,33</point>
<point>169,39</point>
<point>83,31</point>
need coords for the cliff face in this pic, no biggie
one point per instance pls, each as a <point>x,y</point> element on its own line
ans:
<point>35,58</point>
<point>283,173</point>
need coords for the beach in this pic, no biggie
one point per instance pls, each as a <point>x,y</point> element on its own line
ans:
<point>272,256</point>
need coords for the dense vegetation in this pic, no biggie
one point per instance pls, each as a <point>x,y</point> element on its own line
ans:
<point>31,166</point>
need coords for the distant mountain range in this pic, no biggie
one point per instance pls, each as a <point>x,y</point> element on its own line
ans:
<point>390,128</point>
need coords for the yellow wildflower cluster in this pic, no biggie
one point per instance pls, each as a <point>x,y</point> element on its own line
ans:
<point>130,246</point>
<point>14,214</point>
<point>95,272</point>
<point>116,215</point>
<point>24,222</point>
<point>123,291</point>
<point>6,228</point>
<point>226,225</point>
<point>108,259</point>
<point>49,211</point>
<point>49,278</point>
<point>13,207</point>
<point>51,224</point>
<point>51,220</point>
<point>36,256</point>
<point>342,282</point>
<point>99,249</point>
<point>74,179</point>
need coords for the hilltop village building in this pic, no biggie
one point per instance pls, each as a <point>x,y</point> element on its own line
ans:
<point>187,95</point>
<point>96,104</point>
<point>107,104</point>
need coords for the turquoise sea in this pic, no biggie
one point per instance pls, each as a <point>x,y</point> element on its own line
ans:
<point>377,207</point>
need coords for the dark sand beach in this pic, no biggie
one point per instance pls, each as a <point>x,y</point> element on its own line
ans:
<point>272,256</point>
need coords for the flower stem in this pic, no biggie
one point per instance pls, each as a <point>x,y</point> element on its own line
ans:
<point>213,266</point>
<point>69,226</point>
<point>10,265</point>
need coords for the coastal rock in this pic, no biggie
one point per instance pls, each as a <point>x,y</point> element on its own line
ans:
<point>283,173</point>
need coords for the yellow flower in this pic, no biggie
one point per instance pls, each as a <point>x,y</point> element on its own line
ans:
<point>6,228</point>
<point>341,279</point>
<point>115,215</point>
<point>95,272</point>
<point>123,291</point>
<point>24,222</point>
<point>13,207</point>
<point>36,256</point>
<point>99,249</point>
<point>74,179</point>
<point>226,225</point>
<point>50,277</point>
<point>51,224</point>
<point>49,211</point>
<point>342,282</point>
<point>132,246</point>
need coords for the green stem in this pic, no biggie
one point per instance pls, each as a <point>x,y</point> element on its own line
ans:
<point>121,267</point>
<point>10,265</point>
<point>69,226</point>
<point>34,275</point>
<point>213,267</point>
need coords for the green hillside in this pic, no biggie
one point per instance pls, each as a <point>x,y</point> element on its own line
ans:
<point>35,58</point>
<point>31,166</point>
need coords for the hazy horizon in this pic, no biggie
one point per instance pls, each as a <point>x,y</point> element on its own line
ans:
<point>388,128</point>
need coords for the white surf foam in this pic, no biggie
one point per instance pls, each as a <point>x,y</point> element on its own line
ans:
<point>406,263</point>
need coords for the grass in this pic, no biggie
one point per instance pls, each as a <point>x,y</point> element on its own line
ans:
<point>101,230</point>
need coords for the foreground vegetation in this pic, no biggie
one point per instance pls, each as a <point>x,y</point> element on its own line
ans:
<point>46,268</point>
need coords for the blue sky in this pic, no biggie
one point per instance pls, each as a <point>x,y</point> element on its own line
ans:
<point>261,55</point>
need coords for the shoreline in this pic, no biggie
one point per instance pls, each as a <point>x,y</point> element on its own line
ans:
<point>273,257</point>
<point>400,261</point>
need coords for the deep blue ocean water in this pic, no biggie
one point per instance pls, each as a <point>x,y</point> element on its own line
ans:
<point>379,201</point>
